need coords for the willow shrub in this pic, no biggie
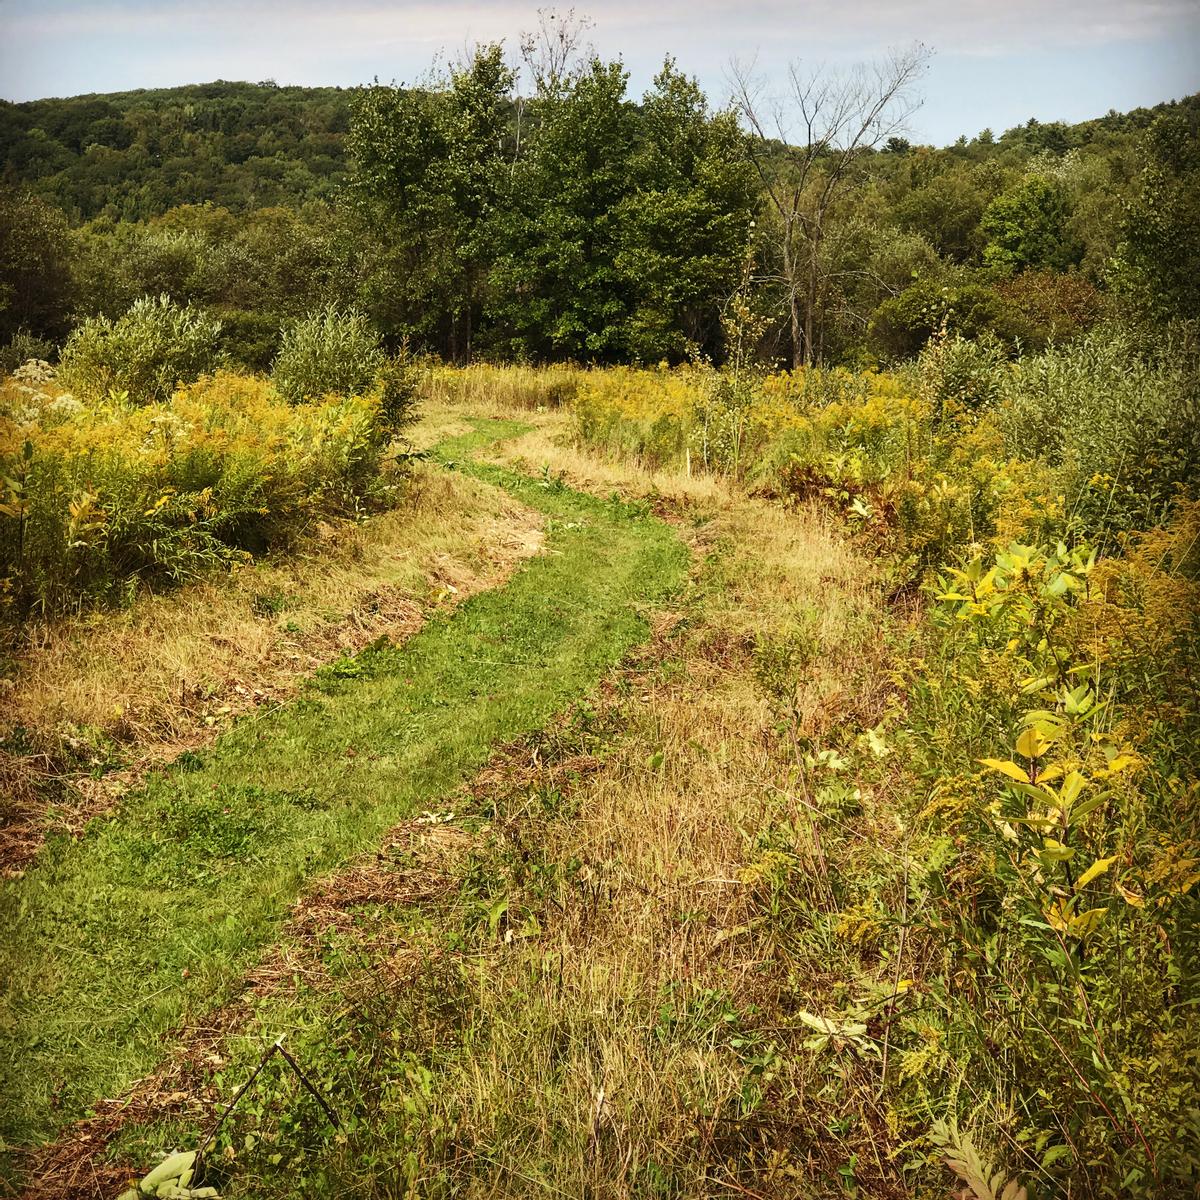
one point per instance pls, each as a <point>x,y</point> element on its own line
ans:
<point>101,499</point>
<point>329,352</point>
<point>144,354</point>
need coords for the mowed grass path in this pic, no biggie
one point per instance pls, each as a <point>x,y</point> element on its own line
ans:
<point>109,942</point>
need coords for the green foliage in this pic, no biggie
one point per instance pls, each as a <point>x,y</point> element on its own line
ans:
<point>683,223</point>
<point>143,354</point>
<point>960,375</point>
<point>557,291</point>
<point>132,155</point>
<point>398,380</point>
<point>1027,227</point>
<point>330,352</point>
<point>946,211</point>
<point>1123,428</point>
<point>1157,265</point>
<point>23,347</point>
<point>903,324</point>
<point>1046,927</point>
<point>429,166</point>
<point>593,231</point>
<point>36,290</point>
<point>575,224</point>
<point>272,262</point>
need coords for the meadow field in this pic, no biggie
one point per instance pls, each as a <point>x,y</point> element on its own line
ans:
<point>630,782</point>
<point>567,641</point>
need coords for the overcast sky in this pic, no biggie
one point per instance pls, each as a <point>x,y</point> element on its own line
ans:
<point>996,62</point>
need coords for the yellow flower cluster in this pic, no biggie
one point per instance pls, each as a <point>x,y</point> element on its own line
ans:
<point>101,493</point>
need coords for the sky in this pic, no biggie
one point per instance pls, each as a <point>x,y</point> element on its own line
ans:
<point>995,63</point>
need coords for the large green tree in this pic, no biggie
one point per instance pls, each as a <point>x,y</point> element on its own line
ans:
<point>557,288</point>
<point>36,291</point>
<point>428,167</point>
<point>683,226</point>
<point>1158,267</point>
<point>1026,226</point>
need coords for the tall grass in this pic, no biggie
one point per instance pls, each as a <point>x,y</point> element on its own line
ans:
<point>509,386</point>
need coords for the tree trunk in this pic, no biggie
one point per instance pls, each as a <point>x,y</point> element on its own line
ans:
<point>810,299</point>
<point>790,276</point>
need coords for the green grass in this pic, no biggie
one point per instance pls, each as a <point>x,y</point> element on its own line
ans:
<point>152,917</point>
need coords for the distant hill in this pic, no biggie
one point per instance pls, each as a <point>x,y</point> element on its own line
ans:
<point>133,155</point>
<point>242,146</point>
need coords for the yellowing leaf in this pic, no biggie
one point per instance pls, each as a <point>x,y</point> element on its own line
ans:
<point>1054,851</point>
<point>1087,922</point>
<point>1031,744</point>
<point>1094,872</point>
<point>1005,767</point>
<point>1072,786</point>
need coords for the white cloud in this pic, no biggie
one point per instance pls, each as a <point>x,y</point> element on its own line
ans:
<point>802,26</point>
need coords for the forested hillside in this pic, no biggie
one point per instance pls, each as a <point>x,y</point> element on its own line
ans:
<point>133,155</point>
<point>581,222</point>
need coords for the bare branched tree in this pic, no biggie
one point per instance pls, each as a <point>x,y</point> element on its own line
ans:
<point>806,146</point>
<point>551,52</point>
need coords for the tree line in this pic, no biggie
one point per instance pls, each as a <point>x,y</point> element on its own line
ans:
<point>556,217</point>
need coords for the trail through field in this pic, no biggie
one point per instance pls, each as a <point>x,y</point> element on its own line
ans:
<point>153,916</point>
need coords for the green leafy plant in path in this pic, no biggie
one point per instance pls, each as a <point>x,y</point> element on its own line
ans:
<point>152,916</point>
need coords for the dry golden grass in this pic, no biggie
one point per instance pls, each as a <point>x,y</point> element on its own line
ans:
<point>550,444</point>
<point>512,385</point>
<point>603,1026</point>
<point>171,670</point>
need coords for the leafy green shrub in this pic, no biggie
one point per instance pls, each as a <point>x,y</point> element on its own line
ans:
<point>330,352</point>
<point>961,375</point>
<point>1027,227</point>
<point>398,382</point>
<point>903,324</point>
<point>145,353</point>
<point>1062,896</point>
<point>1124,429</point>
<point>249,339</point>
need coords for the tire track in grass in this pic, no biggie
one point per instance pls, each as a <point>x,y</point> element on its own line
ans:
<point>154,915</point>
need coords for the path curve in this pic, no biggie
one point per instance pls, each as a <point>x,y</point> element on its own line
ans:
<point>153,917</point>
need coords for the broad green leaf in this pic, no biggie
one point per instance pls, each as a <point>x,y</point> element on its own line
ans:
<point>1039,683</point>
<point>170,1168</point>
<point>1081,810</point>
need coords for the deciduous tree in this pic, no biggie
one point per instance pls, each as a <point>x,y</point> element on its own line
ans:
<point>807,148</point>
